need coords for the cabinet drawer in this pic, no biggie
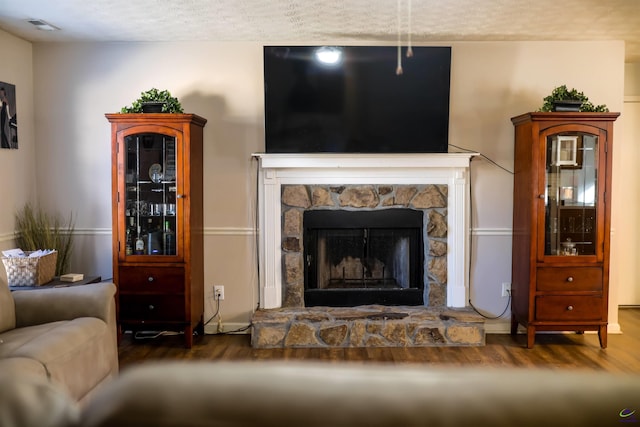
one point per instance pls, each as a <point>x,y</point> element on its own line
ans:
<point>568,308</point>
<point>151,279</point>
<point>152,308</point>
<point>569,279</point>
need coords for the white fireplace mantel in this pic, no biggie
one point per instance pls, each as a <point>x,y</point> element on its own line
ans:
<point>275,170</point>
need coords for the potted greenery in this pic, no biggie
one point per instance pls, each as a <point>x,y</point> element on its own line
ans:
<point>154,101</point>
<point>563,99</point>
<point>36,229</point>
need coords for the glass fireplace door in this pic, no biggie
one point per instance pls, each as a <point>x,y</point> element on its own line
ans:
<point>366,258</point>
<point>363,257</point>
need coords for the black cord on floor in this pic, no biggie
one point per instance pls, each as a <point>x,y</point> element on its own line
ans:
<point>489,317</point>
<point>235,331</point>
<point>214,314</point>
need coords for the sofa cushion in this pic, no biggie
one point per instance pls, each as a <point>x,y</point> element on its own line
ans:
<point>31,401</point>
<point>24,365</point>
<point>75,353</point>
<point>7,308</point>
<point>277,394</point>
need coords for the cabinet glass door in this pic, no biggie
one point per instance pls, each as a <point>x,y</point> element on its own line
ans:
<point>150,188</point>
<point>571,193</point>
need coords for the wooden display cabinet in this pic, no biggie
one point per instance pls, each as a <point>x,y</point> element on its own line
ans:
<point>561,222</point>
<point>157,211</point>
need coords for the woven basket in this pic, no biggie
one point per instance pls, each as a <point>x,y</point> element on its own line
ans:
<point>27,271</point>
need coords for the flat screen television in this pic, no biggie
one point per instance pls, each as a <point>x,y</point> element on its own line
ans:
<point>358,104</point>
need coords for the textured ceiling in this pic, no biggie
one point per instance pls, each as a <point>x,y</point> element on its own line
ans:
<point>321,21</point>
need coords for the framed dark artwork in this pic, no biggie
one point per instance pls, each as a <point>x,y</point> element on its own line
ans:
<point>8,116</point>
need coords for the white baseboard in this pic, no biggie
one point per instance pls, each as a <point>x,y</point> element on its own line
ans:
<point>229,328</point>
<point>504,327</point>
<point>499,326</point>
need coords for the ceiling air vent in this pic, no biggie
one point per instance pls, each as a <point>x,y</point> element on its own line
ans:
<point>42,25</point>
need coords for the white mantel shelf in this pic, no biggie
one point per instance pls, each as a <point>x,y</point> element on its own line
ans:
<point>361,160</point>
<point>277,169</point>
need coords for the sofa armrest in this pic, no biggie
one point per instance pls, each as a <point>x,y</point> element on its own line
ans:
<point>34,307</point>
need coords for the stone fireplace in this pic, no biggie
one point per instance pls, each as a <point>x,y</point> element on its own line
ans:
<point>353,245</point>
<point>294,188</point>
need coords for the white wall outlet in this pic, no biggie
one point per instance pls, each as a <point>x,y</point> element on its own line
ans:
<point>506,289</point>
<point>218,292</point>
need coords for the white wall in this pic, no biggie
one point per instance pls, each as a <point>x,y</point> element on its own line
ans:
<point>75,84</point>
<point>628,230</point>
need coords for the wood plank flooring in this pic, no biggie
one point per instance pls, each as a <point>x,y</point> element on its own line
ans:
<point>552,351</point>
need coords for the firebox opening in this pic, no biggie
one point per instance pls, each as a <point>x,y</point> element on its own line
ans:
<point>363,257</point>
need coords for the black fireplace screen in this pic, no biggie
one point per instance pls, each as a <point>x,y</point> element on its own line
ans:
<point>363,257</point>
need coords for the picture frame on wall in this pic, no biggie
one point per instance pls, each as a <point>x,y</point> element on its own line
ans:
<point>8,116</point>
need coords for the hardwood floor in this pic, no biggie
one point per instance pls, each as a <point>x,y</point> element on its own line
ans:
<point>552,351</point>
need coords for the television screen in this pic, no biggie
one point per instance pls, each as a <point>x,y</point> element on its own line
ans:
<point>358,103</point>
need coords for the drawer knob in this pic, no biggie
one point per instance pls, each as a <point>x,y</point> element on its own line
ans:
<point>150,278</point>
<point>570,308</point>
<point>570,279</point>
<point>151,306</point>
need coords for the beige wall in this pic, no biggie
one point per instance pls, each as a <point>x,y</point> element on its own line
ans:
<point>17,167</point>
<point>75,84</point>
<point>632,80</point>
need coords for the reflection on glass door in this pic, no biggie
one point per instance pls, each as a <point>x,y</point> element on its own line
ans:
<point>571,193</point>
<point>150,209</point>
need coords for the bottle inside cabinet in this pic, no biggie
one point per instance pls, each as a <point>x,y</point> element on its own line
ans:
<point>169,239</point>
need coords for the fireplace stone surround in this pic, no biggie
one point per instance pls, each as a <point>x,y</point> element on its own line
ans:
<point>428,199</point>
<point>323,177</point>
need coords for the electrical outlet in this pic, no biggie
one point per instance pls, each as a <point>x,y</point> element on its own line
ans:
<point>506,289</point>
<point>218,292</point>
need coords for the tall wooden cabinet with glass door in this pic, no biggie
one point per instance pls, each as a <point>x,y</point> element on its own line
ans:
<point>561,222</point>
<point>157,214</point>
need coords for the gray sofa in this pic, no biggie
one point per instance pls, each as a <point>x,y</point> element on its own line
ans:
<point>283,394</point>
<point>65,335</point>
